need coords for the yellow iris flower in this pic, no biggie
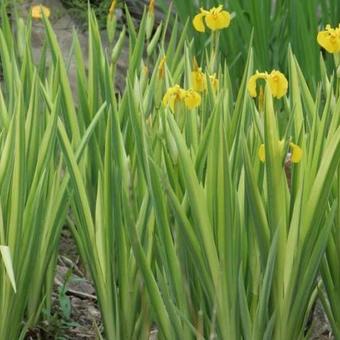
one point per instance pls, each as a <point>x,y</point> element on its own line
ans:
<point>199,80</point>
<point>330,39</point>
<point>276,80</point>
<point>37,11</point>
<point>216,19</point>
<point>295,153</point>
<point>175,95</point>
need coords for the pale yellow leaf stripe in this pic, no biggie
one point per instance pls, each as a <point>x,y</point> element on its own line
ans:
<point>6,256</point>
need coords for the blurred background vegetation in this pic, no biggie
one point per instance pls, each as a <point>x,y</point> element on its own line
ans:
<point>275,24</point>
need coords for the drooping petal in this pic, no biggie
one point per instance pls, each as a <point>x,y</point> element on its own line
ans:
<point>198,22</point>
<point>296,153</point>
<point>172,102</point>
<point>192,99</point>
<point>251,85</point>
<point>278,84</point>
<point>172,96</point>
<point>199,82</point>
<point>224,19</point>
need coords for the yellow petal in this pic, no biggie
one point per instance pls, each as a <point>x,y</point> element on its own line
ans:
<point>261,153</point>
<point>199,82</point>
<point>217,19</point>
<point>224,19</point>
<point>296,153</point>
<point>192,99</point>
<point>329,40</point>
<point>214,81</point>
<point>165,100</point>
<point>278,84</point>
<point>172,103</point>
<point>38,10</point>
<point>251,85</point>
<point>211,21</point>
<point>172,96</point>
<point>198,22</point>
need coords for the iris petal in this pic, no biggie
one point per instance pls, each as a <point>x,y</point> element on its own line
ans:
<point>198,22</point>
<point>330,42</point>
<point>296,153</point>
<point>278,84</point>
<point>215,19</point>
<point>224,19</point>
<point>218,21</point>
<point>212,21</point>
<point>192,99</point>
<point>251,85</point>
<point>198,80</point>
<point>172,96</point>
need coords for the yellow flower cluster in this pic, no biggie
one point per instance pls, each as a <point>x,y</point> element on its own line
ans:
<point>277,82</point>
<point>295,153</point>
<point>329,39</point>
<point>199,80</point>
<point>38,11</point>
<point>176,94</point>
<point>216,19</point>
